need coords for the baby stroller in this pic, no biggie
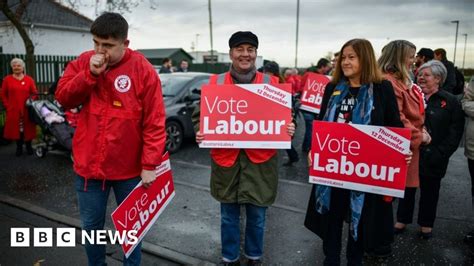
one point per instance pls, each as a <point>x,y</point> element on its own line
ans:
<point>56,134</point>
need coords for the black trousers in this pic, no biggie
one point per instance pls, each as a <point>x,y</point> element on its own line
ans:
<point>406,206</point>
<point>429,196</point>
<point>332,242</point>
<point>292,154</point>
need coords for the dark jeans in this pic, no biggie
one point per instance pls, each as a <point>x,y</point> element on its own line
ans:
<point>92,209</point>
<point>332,241</point>
<point>429,195</point>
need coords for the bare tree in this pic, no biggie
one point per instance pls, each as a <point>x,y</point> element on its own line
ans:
<point>15,18</point>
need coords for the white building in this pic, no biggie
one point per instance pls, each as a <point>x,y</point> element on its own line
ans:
<point>201,57</point>
<point>53,28</point>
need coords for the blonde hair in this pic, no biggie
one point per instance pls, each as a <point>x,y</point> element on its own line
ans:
<point>394,57</point>
<point>17,60</point>
<point>370,72</point>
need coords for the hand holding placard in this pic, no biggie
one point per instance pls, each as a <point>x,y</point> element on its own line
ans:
<point>360,157</point>
<point>142,207</point>
<point>245,116</point>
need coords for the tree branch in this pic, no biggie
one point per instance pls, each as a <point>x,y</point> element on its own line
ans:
<point>16,21</point>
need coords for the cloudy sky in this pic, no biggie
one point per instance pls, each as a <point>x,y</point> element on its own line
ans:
<point>325,25</point>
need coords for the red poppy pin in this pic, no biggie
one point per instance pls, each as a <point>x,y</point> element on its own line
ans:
<point>443,104</point>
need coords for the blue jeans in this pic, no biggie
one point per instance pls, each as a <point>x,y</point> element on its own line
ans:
<point>230,231</point>
<point>92,208</point>
<point>308,121</point>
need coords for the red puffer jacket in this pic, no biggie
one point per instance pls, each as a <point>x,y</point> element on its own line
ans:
<point>121,127</point>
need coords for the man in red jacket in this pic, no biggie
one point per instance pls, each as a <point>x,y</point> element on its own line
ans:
<point>243,177</point>
<point>120,135</point>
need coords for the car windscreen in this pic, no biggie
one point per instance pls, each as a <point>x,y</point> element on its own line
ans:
<point>172,85</point>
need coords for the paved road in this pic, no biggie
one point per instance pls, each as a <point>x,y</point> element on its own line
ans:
<point>190,225</point>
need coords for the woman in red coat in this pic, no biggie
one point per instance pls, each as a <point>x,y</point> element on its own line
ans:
<point>16,89</point>
<point>396,61</point>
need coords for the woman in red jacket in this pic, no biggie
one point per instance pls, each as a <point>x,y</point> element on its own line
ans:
<point>396,61</point>
<point>16,88</point>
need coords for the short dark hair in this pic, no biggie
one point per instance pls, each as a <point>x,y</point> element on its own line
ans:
<point>166,60</point>
<point>427,53</point>
<point>322,63</point>
<point>442,52</point>
<point>110,24</point>
<point>272,67</point>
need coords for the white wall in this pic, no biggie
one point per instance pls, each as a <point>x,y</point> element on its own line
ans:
<point>47,41</point>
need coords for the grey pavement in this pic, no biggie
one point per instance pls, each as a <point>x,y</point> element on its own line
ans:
<point>190,226</point>
<point>11,217</point>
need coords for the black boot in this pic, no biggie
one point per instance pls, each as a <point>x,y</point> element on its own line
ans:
<point>19,147</point>
<point>29,149</point>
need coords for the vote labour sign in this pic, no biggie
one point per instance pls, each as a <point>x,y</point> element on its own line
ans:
<point>359,157</point>
<point>246,116</point>
<point>142,207</point>
<point>313,91</point>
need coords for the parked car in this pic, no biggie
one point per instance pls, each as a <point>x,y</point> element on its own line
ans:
<point>181,93</point>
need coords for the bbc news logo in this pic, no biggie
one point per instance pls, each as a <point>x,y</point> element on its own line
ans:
<point>66,237</point>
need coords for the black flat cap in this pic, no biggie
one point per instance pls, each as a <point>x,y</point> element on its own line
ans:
<point>241,37</point>
<point>426,52</point>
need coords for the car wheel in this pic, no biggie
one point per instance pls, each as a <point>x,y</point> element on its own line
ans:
<point>174,136</point>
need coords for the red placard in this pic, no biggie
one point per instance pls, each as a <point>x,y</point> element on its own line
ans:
<point>246,116</point>
<point>359,157</point>
<point>142,207</point>
<point>313,91</point>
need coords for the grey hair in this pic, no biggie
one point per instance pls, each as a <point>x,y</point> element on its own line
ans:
<point>437,68</point>
<point>17,60</point>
